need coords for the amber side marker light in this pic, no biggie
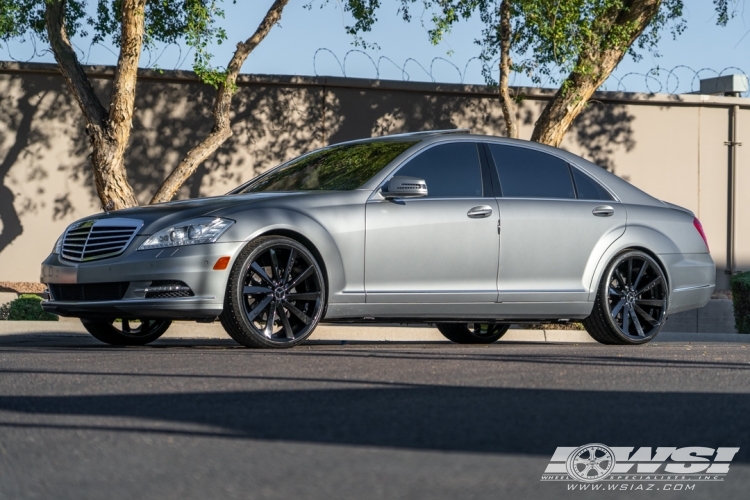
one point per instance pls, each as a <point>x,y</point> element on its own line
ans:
<point>221,264</point>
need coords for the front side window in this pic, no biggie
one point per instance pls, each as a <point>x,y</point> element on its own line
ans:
<point>528,173</point>
<point>450,170</point>
<point>337,168</point>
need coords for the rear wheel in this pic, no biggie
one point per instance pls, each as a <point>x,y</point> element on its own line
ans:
<point>631,302</point>
<point>127,332</point>
<point>275,296</point>
<point>473,333</point>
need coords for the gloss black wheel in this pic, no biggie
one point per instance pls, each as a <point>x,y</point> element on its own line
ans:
<point>631,303</point>
<point>275,295</point>
<point>126,332</point>
<point>473,333</point>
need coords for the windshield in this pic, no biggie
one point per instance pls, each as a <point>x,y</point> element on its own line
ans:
<point>338,168</point>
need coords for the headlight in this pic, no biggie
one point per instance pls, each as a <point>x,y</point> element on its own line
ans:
<point>192,232</point>
<point>58,245</point>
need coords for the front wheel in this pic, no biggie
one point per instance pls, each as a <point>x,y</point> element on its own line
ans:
<point>275,296</point>
<point>631,302</point>
<point>473,333</point>
<point>128,332</point>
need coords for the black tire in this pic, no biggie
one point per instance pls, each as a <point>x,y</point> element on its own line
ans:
<point>259,288</point>
<point>631,301</point>
<point>113,333</point>
<point>473,333</point>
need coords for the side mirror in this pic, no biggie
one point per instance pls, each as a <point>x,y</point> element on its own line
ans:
<point>405,187</point>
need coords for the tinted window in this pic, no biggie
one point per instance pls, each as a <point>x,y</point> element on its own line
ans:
<point>526,173</point>
<point>450,170</point>
<point>336,168</point>
<point>587,188</point>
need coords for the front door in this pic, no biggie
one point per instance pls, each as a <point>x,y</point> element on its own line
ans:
<point>442,248</point>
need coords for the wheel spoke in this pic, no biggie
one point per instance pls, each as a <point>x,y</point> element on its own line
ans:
<point>299,279</point>
<point>638,327</point>
<point>302,316</point>
<point>640,274</point>
<point>626,319</point>
<point>289,264</point>
<point>618,307</point>
<point>285,321</point>
<point>646,316</point>
<point>651,285</point>
<point>303,296</point>
<point>650,302</point>
<point>274,264</point>
<point>613,291</point>
<point>630,270</point>
<point>270,319</point>
<point>254,290</point>
<point>260,272</point>
<point>251,315</point>
<point>620,279</point>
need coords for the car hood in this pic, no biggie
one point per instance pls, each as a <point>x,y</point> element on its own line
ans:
<point>159,216</point>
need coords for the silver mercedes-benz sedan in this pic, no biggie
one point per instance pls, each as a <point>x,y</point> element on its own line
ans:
<point>470,233</point>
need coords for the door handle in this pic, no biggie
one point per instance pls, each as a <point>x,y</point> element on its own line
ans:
<point>603,211</point>
<point>479,212</point>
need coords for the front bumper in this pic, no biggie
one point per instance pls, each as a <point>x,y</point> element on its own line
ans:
<point>193,265</point>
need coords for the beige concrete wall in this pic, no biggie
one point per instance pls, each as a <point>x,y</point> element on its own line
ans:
<point>670,146</point>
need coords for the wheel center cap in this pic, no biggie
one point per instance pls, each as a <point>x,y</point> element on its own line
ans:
<point>279,293</point>
<point>630,298</point>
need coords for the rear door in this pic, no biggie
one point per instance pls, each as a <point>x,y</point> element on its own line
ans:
<point>556,222</point>
<point>441,248</point>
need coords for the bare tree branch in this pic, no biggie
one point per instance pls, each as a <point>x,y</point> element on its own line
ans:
<point>221,130</point>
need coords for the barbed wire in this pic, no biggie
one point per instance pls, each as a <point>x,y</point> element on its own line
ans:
<point>84,55</point>
<point>680,79</point>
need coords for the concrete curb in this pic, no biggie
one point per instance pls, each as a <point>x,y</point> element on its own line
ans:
<point>355,333</point>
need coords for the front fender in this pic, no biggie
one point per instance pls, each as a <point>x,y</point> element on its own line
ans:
<point>270,220</point>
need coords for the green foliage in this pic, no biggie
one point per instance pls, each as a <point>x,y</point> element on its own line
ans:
<point>740,284</point>
<point>26,308</point>
<point>188,22</point>
<point>550,34</point>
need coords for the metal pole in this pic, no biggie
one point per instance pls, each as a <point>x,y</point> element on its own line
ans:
<point>731,182</point>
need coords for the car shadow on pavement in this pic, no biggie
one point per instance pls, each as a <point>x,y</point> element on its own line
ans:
<point>443,418</point>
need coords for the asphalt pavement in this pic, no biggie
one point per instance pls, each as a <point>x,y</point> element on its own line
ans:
<point>206,419</point>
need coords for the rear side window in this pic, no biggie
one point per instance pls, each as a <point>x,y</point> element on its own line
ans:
<point>527,173</point>
<point>587,188</point>
<point>450,170</point>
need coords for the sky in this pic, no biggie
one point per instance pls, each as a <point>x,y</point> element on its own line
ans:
<point>314,42</point>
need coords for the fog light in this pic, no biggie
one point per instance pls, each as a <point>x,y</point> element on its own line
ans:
<point>221,264</point>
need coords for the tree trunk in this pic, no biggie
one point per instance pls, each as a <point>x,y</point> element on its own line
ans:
<point>108,132</point>
<point>592,69</point>
<point>506,101</point>
<point>221,130</point>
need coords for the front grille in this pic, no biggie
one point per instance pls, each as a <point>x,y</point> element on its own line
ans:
<point>89,292</point>
<point>164,289</point>
<point>99,239</point>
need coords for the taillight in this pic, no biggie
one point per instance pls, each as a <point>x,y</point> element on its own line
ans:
<point>699,227</point>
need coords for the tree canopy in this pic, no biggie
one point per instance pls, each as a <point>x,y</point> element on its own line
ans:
<point>194,23</point>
